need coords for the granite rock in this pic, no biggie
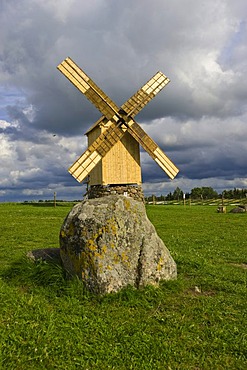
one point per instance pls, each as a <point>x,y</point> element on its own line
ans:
<point>110,243</point>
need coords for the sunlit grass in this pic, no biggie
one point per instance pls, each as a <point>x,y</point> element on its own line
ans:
<point>195,322</point>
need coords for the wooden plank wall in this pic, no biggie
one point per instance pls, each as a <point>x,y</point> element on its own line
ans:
<point>121,165</point>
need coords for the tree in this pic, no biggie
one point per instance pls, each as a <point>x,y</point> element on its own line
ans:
<point>169,196</point>
<point>209,193</point>
<point>177,194</point>
<point>196,193</point>
<point>206,192</point>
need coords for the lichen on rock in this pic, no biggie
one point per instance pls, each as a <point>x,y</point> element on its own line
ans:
<point>110,243</point>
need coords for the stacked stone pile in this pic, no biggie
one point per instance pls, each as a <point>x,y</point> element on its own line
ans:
<point>134,191</point>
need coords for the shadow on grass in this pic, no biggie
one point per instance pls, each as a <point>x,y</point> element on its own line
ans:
<point>48,278</point>
<point>40,273</point>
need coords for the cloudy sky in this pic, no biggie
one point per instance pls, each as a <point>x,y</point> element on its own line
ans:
<point>199,119</point>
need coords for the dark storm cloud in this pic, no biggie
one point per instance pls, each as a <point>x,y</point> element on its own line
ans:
<point>199,119</point>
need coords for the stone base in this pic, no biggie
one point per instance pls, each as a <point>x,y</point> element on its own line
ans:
<point>109,243</point>
<point>129,190</point>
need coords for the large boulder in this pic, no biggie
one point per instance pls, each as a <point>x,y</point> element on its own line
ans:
<point>239,209</point>
<point>110,243</point>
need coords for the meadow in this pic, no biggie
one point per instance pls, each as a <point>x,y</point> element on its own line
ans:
<point>196,322</point>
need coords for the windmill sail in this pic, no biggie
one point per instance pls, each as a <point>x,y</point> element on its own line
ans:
<point>87,161</point>
<point>95,152</point>
<point>84,84</point>
<point>152,149</point>
<point>101,101</point>
<point>143,96</point>
<point>117,120</point>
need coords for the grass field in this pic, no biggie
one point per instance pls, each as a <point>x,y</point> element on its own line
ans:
<point>196,322</point>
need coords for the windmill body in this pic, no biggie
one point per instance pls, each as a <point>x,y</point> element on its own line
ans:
<point>113,154</point>
<point>121,165</point>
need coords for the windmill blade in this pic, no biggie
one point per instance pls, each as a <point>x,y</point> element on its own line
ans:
<point>89,159</point>
<point>101,101</point>
<point>152,149</point>
<point>95,152</point>
<point>89,88</point>
<point>146,93</point>
<point>141,98</point>
<point>102,145</point>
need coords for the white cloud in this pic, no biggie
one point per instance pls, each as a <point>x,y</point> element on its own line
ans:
<point>4,124</point>
<point>6,149</point>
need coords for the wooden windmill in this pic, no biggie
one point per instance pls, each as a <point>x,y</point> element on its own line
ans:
<point>113,154</point>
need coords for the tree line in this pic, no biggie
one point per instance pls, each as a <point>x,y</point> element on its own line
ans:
<point>203,193</point>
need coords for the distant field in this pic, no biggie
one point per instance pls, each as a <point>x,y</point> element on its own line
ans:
<point>196,322</point>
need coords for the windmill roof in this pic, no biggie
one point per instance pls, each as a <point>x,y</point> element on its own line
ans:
<point>97,123</point>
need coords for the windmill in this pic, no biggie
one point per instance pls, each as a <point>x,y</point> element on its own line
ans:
<point>113,155</point>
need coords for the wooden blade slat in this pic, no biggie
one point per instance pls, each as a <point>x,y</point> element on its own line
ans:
<point>89,88</point>
<point>92,84</point>
<point>81,170</point>
<point>91,157</point>
<point>141,98</point>
<point>153,149</point>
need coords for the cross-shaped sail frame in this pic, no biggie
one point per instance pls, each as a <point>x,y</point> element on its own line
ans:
<point>118,120</point>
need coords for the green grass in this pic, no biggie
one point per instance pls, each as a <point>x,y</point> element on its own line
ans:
<point>48,322</point>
